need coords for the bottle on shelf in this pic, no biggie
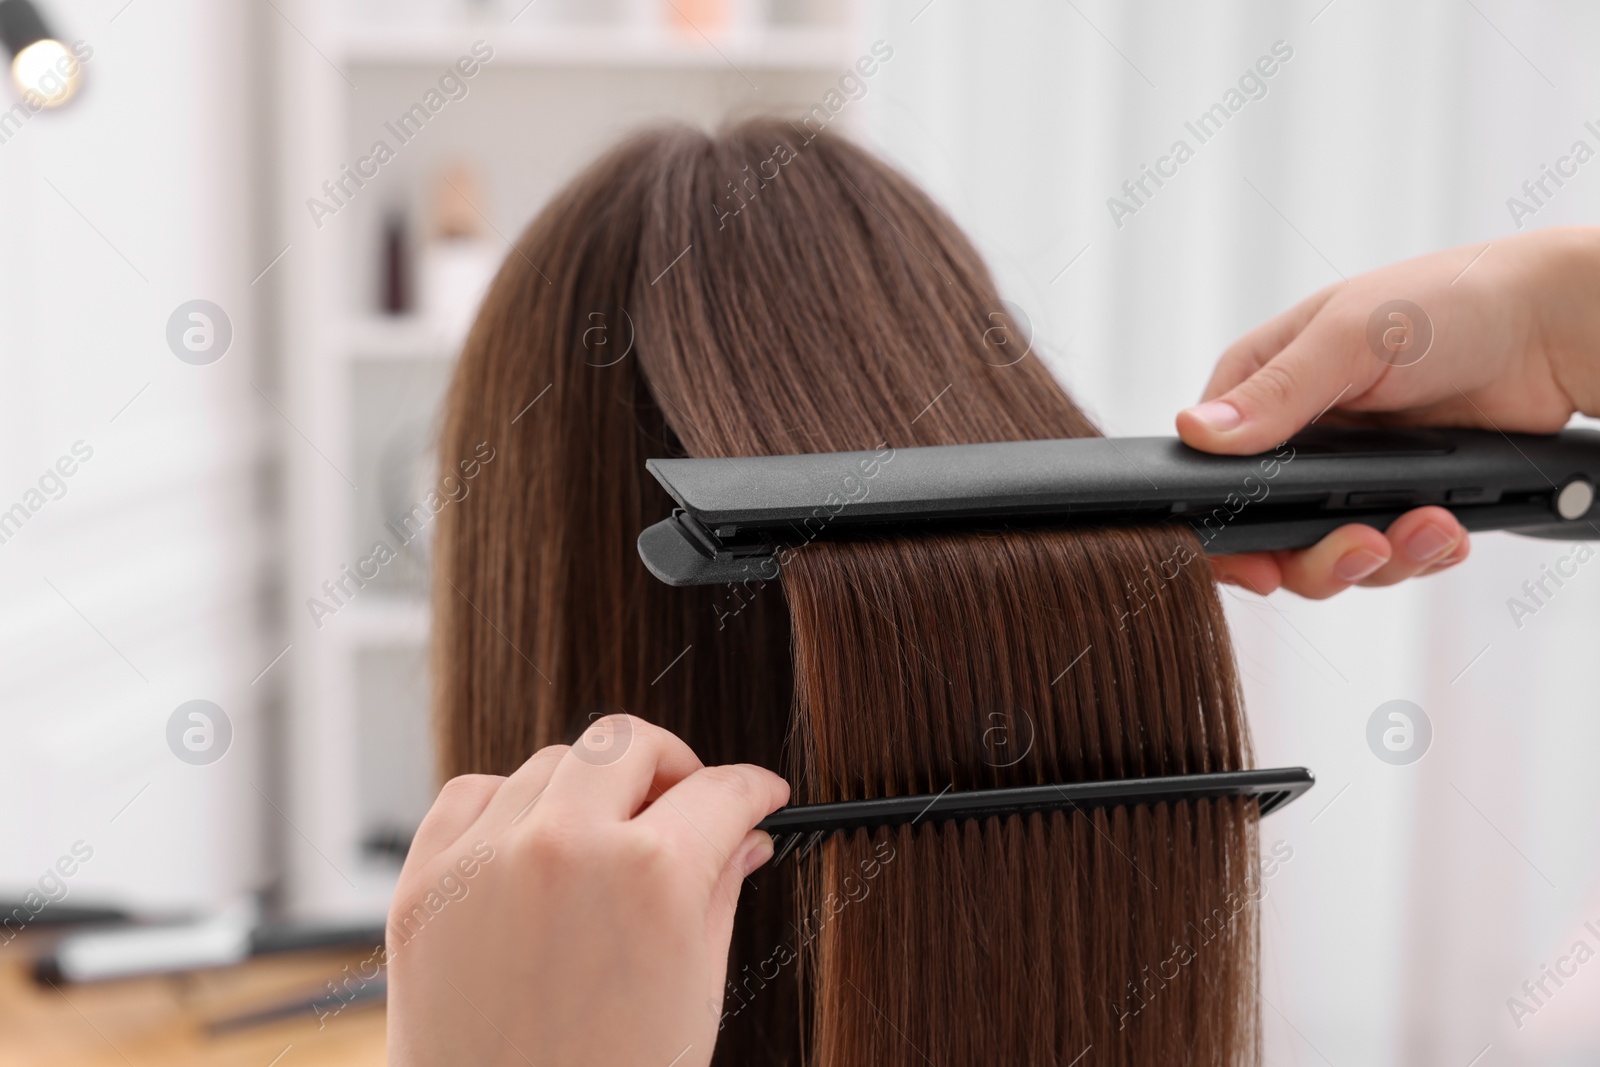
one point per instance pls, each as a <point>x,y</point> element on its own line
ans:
<point>458,260</point>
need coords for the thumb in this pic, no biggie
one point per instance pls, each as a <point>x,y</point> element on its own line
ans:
<point>753,851</point>
<point>1317,369</point>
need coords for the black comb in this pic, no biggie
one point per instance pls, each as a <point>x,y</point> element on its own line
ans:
<point>797,830</point>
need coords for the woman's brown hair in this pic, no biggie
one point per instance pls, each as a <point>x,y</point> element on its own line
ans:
<point>767,291</point>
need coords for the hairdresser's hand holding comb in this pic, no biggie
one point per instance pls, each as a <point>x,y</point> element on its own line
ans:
<point>579,911</point>
<point>1502,337</point>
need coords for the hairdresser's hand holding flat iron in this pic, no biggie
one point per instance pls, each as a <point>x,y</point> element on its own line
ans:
<point>1515,347</point>
<point>579,911</point>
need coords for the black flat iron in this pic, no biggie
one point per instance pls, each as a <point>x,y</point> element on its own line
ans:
<point>737,516</point>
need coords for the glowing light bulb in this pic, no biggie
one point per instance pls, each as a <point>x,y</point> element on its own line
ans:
<point>48,70</point>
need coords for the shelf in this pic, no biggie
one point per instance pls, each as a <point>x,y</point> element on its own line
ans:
<point>797,48</point>
<point>358,742</point>
<point>398,337</point>
<point>382,621</point>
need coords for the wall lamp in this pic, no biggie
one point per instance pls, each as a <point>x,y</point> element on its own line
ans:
<point>46,70</point>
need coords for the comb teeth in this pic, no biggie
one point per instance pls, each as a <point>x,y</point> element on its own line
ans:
<point>796,831</point>
<point>796,845</point>
<point>782,845</point>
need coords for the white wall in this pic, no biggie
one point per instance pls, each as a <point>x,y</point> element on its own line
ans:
<point>136,591</point>
<point>1419,901</point>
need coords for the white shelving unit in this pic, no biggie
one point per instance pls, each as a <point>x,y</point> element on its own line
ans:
<point>625,47</point>
<point>361,388</point>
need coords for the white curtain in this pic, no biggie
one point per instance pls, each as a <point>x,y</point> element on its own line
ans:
<point>1420,897</point>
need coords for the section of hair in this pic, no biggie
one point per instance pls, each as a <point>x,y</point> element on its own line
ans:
<point>544,618</point>
<point>975,661</point>
<point>787,293</point>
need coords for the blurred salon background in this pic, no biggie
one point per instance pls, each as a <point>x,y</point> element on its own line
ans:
<point>227,317</point>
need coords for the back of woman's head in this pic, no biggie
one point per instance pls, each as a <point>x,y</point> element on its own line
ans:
<point>763,291</point>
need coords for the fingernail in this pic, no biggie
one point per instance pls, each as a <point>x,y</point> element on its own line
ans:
<point>1429,543</point>
<point>1354,566</point>
<point>758,853</point>
<point>1217,414</point>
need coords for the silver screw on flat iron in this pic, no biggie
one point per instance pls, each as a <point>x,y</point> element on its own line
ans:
<point>1575,499</point>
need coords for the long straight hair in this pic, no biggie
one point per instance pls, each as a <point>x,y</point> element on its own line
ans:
<point>769,291</point>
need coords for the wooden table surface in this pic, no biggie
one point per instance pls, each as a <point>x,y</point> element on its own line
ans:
<point>163,1021</point>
